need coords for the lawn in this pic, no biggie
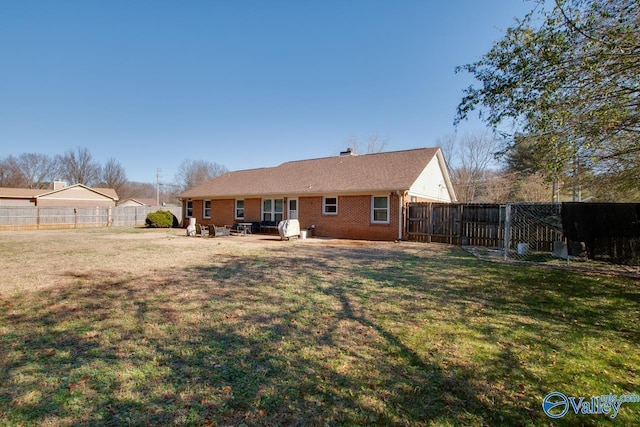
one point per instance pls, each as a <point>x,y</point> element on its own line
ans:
<point>149,327</point>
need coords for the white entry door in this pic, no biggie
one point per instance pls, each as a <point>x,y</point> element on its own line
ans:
<point>292,208</point>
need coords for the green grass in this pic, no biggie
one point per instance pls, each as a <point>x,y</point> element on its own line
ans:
<point>403,335</point>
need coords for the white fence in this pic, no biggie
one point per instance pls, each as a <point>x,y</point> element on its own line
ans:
<point>35,218</point>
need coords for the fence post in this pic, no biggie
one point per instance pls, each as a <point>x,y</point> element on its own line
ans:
<point>460,231</point>
<point>507,229</point>
<point>430,222</point>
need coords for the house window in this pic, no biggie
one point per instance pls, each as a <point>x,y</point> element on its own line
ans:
<point>206,209</point>
<point>272,209</point>
<point>380,209</point>
<point>189,208</point>
<point>239,209</point>
<point>330,205</point>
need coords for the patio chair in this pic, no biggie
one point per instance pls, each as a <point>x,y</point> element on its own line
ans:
<point>202,230</point>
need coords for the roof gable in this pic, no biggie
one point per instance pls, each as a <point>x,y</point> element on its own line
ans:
<point>377,172</point>
<point>434,182</point>
<point>77,190</point>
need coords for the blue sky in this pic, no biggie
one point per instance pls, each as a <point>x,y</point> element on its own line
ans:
<point>242,83</point>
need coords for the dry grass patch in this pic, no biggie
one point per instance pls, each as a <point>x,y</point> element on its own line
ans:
<point>152,328</point>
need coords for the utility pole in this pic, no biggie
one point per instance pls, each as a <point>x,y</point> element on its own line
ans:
<point>555,191</point>
<point>577,188</point>
<point>158,187</point>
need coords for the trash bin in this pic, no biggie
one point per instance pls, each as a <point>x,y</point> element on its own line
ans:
<point>303,234</point>
<point>311,230</point>
<point>523,248</point>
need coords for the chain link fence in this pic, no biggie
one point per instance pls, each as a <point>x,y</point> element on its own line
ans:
<point>591,235</point>
<point>579,233</point>
<point>533,231</point>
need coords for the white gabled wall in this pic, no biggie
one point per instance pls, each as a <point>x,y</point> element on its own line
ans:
<point>432,184</point>
<point>76,195</point>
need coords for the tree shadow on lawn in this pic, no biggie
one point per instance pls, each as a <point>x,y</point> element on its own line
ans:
<point>301,336</point>
<point>531,331</point>
<point>564,297</point>
<point>549,329</point>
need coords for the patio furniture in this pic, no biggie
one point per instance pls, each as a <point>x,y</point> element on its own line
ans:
<point>221,231</point>
<point>245,227</point>
<point>268,226</point>
<point>202,230</point>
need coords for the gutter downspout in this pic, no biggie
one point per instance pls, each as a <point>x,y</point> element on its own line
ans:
<point>400,207</point>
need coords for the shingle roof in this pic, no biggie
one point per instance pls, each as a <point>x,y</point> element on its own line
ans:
<point>28,193</point>
<point>109,192</point>
<point>20,193</point>
<point>396,170</point>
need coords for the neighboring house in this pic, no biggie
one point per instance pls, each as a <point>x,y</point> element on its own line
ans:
<point>77,195</point>
<point>138,202</point>
<point>347,196</point>
<point>142,202</point>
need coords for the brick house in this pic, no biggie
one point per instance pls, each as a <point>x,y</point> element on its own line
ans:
<point>347,196</point>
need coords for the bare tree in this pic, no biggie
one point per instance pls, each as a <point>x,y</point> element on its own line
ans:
<point>113,175</point>
<point>373,143</point>
<point>529,188</point>
<point>78,167</point>
<point>38,170</point>
<point>10,174</point>
<point>497,187</point>
<point>192,173</point>
<point>449,146</point>
<point>137,190</point>
<point>469,160</point>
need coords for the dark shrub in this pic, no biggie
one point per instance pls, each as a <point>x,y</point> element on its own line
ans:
<point>160,219</point>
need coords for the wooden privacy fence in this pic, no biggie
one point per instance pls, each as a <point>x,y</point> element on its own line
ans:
<point>37,218</point>
<point>601,231</point>
<point>456,223</point>
<point>537,225</point>
<point>610,231</point>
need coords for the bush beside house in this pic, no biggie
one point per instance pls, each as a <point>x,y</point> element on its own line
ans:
<point>160,219</point>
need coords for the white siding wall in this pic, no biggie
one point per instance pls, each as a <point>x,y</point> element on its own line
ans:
<point>75,196</point>
<point>75,193</point>
<point>431,183</point>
